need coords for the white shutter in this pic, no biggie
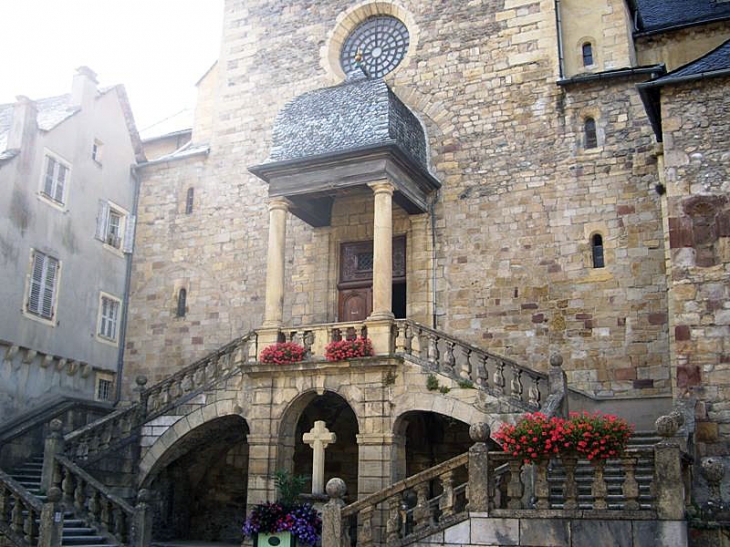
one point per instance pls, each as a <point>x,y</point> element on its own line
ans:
<point>36,279</point>
<point>60,182</point>
<point>48,184</point>
<point>49,287</point>
<point>129,233</point>
<point>101,220</point>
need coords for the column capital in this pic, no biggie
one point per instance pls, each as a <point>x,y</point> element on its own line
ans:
<point>279,202</point>
<point>382,187</point>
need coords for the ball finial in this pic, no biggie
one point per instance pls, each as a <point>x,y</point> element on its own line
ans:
<point>336,488</point>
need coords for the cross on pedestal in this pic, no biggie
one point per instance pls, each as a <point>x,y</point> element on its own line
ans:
<point>318,438</point>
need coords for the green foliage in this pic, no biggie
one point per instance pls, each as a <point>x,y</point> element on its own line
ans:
<point>444,389</point>
<point>432,383</point>
<point>466,384</point>
<point>389,378</point>
<point>290,486</point>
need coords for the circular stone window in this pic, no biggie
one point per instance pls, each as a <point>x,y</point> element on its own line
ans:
<point>383,42</point>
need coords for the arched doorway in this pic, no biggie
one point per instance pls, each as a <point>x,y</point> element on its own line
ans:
<point>200,484</point>
<point>341,457</point>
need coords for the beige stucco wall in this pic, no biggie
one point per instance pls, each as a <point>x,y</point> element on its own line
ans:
<point>678,48</point>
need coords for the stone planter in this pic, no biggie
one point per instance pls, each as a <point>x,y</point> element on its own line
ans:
<point>282,539</point>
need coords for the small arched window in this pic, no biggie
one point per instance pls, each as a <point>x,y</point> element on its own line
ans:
<point>587,52</point>
<point>589,131</point>
<point>182,297</point>
<point>597,249</point>
<point>189,200</point>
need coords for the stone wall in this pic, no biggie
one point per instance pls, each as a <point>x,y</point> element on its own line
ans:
<point>521,198</point>
<point>679,47</point>
<point>694,120</point>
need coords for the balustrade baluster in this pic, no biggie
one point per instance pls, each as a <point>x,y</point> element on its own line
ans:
<point>482,373</point>
<point>417,348</point>
<point>399,329</point>
<point>630,487</point>
<point>448,497</point>
<point>308,342</point>
<point>542,488</point>
<point>468,369</point>
<point>187,383</point>
<point>29,526</point>
<point>408,335</point>
<point>450,360</point>
<point>515,488</point>
<point>16,517</point>
<point>106,436</point>
<point>533,393</point>
<point>598,488</point>
<point>106,514</point>
<point>503,488</point>
<point>433,351</point>
<point>94,506</point>
<point>120,525</point>
<point>80,495</point>
<point>570,489</point>
<point>516,383</point>
<point>198,377</point>
<point>67,485</point>
<point>4,502</point>
<point>422,512</point>
<point>498,379</point>
<point>393,524</point>
<point>365,534</point>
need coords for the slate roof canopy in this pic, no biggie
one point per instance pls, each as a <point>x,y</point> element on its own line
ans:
<point>654,16</point>
<point>355,114</point>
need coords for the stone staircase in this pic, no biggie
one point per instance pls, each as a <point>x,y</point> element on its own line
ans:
<point>614,475</point>
<point>76,533</point>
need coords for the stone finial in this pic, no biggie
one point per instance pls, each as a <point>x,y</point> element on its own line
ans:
<point>141,380</point>
<point>54,494</point>
<point>667,426</point>
<point>678,417</point>
<point>336,488</point>
<point>713,470</point>
<point>56,426</point>
<point>479,432</point>
<point>556,360</point>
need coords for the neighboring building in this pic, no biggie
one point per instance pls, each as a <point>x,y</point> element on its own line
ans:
<point>67,201</point>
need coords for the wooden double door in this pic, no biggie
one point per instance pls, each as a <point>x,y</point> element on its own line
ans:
<point>356,280</point>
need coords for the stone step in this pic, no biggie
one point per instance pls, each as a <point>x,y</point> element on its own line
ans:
<point>82,540</point>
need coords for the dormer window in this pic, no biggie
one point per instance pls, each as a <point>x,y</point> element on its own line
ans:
<point>587,53</point>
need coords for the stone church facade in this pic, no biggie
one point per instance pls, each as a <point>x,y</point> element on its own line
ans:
<point>529,178</point>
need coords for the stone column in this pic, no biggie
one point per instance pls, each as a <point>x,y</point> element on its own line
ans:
<point>274,313</point>
<point>54,444</point>
<point>51,520</point>
<point>383,251</point>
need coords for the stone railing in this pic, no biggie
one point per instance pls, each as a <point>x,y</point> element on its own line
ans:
<point>90,500</point>
<point>19,510</point>
<point>405,513</point>
<point>442,353</point>
<point>314,338</point>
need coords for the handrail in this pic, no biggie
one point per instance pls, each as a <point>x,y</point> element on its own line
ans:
<point>18,519</point>
<point>405,484</point>
<point>70,437</point>
<point>19,490</point>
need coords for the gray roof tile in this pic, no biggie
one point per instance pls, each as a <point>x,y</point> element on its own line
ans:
<point>656,15</point>
<point>51,112</point>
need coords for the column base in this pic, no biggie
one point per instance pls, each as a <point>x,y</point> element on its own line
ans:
<point>381,316</point>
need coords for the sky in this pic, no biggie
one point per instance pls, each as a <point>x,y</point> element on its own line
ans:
<point>157,48</point>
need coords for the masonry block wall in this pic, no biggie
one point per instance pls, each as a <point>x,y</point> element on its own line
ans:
<point>698,183</point>
<point>521,198</point>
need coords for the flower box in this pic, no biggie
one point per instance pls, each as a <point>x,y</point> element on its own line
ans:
<point>339,350</point>
<point>283,353</point>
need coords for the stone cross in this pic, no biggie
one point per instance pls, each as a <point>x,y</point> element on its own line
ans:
<point>318,438</point>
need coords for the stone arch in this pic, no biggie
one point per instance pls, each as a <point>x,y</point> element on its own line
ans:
<point>440,403</point>
<point>159,453</point>
<point>340,417</point>
<point>351,18</point>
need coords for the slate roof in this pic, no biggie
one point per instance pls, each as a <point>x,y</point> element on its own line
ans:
<point>51,112</point>
<point>658,15</point>
<point>358,113</point>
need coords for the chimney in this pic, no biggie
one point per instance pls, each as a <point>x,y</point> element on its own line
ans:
<point>24,121</point>
<point>83,90</point>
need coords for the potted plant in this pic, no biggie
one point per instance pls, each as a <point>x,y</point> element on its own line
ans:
<point>283,353</point>
<point>285,522</point>
<point>348,349</point>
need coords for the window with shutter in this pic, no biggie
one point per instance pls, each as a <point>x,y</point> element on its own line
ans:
<point>55,179</point>
<point>108,317</point>
<point>42,286</point>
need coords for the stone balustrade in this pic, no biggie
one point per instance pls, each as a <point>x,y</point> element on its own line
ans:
<point>489,484</point>
<point>315,338</point>
<point>90,500</point>
<point>447,355</point>
<point>19,510</point>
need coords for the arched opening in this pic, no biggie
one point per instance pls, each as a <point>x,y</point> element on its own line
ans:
<point>587,54</point>
<point>589,130</point>
<point>341,457</point>
<point>200,484</point>
<point>597,251</point>
<point>182,302</point>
